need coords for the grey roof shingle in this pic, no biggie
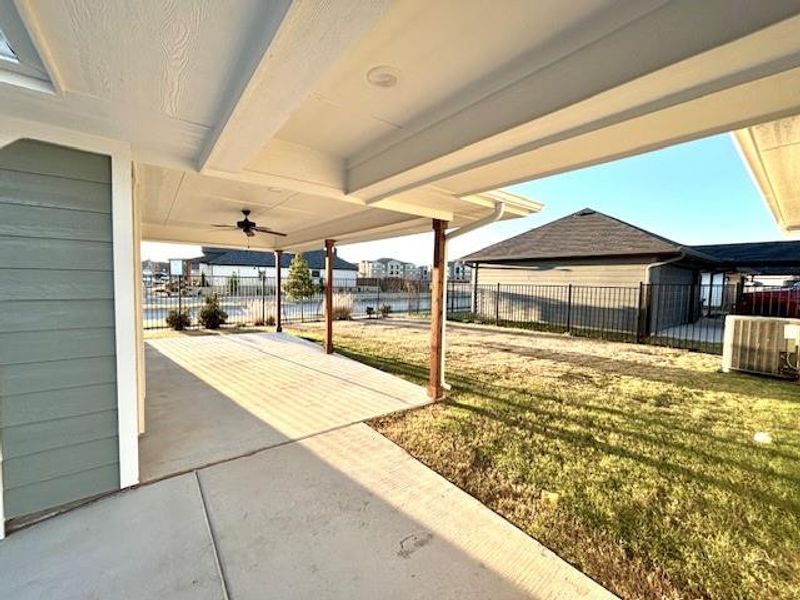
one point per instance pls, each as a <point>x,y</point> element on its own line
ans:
<point>586,233</point>
<point>755,253</point>
<point>254,258</point>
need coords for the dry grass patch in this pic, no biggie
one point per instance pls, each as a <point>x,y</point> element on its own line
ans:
<point>636,464</point>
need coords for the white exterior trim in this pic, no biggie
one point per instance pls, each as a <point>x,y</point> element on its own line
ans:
<point>124,291</point>
<point>125,317</point>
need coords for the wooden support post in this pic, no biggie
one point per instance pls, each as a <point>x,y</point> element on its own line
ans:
<point>278,292</point>
<point>435,377</point>
<point>329,296</point>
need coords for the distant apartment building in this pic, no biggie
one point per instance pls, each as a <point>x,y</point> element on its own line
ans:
<point>387,267</point>
<point>459,271</point>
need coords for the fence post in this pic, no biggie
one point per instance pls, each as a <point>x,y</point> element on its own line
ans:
<point>737,299</point>
<point>497,305</point>
<point>474,306</point>
<point>569,308</point>
<point>263,299</point>
<point>639,307</point>
<point>180,294</point>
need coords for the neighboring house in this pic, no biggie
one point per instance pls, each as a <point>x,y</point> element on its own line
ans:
<point>593,249</point>
<point>589,248</point>
<point>765,263</point>
<point>153,267</point>
<point>387,267</point>
<point>219,264</point>
<point>598,254</point>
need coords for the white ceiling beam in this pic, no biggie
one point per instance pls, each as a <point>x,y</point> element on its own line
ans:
<point>301,169</point>
<point>754,102</point>
<point>503,121</point>
<point>299,49</point>
<point>344,232</point>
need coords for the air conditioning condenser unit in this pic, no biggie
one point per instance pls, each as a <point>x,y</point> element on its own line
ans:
<point>762,345</point>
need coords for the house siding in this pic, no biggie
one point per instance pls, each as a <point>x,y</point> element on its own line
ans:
<point>673,299</point>
<point>604,294</point>
<point>602,272</point>
<point>58,400</point>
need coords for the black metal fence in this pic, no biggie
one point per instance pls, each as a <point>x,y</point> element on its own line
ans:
<point>252,300</point>
<point>677,315</point>
<point>685,316</point>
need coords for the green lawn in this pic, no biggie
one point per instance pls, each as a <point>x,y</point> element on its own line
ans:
<point>635,464</point>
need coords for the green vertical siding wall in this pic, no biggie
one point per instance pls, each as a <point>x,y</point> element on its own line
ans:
<point>58,404</point>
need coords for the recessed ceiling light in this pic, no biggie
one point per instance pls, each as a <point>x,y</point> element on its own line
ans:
<point>383,76</point>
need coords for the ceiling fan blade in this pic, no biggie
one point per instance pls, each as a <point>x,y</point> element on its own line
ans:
<point>269,231</point>
<point>226,226</point>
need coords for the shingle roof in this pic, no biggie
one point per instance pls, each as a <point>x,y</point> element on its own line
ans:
<point>755,253</point>
<point>586,233</point>
<point>253,258</point>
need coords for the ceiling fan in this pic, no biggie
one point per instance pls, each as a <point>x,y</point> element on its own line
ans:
<point>249,227</point>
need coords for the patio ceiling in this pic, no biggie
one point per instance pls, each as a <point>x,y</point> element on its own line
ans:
<point>181,207</point>
<point>358,120</point>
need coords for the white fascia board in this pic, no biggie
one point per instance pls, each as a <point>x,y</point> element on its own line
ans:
<point>750,154</point>
<point>502,123</point>
<point>515,204</point>
<point>304,42</point>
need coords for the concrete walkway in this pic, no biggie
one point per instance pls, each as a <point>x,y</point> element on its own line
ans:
<point>341,513</point>
<point>211,398</point>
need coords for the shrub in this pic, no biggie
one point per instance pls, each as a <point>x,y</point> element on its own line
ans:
<point>385,310</point>
<point>211,316</point>
<point>343,306</point>
<point>179,319</point>
<point>370,312</point>
<point>270,321</point>
<point>342,313</point>
<point>260,312</point>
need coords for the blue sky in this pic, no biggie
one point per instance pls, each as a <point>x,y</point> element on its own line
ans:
<point>693,193</point>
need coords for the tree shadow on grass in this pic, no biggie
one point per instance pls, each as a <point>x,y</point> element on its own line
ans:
<point>589,427</point>
<point>584,439</point>
<point>710,382</point>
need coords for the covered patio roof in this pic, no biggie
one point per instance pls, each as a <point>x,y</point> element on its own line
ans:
<point>359,120</point>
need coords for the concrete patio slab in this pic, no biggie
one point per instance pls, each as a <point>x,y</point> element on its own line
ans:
<point>348,514</point>
<point>211,398</point>
<point>152,542</point>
